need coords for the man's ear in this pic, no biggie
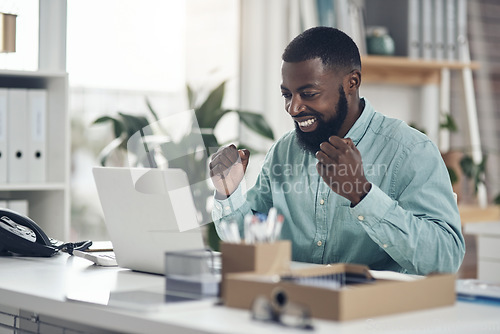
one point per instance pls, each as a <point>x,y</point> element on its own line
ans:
<point>352,81</point>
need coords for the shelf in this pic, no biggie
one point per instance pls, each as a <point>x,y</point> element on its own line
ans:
<point>34,74</point>
<point>32,187</point>
<point>402,70</point>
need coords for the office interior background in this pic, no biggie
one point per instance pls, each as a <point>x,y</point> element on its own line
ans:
<point>121,52</point>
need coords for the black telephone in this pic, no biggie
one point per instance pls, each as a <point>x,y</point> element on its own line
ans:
<point>20,235</point>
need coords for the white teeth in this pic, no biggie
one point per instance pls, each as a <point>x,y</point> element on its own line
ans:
<point>307,123</point>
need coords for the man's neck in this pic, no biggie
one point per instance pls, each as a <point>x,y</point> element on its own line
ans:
<point>353,114</point>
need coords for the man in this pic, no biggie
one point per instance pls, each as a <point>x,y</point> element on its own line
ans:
<point>353,185</point>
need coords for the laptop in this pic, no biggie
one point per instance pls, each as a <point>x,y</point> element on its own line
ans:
<point>147,212</point>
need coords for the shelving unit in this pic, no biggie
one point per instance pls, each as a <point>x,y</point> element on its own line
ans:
<point>403,70</point>
<point>425,73</point>
<point>49,204</point>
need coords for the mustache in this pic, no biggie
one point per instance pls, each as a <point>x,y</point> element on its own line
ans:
<point>312,113</point>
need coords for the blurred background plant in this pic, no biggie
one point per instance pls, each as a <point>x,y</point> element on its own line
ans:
<point>184,152</point>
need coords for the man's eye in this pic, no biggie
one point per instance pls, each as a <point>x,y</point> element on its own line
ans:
<point>309,95</point>
<point>286,95</point>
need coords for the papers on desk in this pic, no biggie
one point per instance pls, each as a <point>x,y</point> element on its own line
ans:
<point>394,276</point>
<point>477,290</point>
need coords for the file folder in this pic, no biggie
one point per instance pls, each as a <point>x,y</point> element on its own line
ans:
<point>17,162</point>
<point>451,31</point>
<point>439,29</point>
<point>37,113</point>
<point>414,39</point>
<point>3,135</point>
<point>427,38</point>
<point>462,49</point>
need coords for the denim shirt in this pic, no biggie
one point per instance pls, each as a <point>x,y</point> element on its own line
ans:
<point>408,221</point>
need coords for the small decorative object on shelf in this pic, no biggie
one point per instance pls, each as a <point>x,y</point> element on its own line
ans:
<point>378,41</point>
<point>7,32</point>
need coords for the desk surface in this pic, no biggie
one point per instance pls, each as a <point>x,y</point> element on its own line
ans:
<point>42,284</point>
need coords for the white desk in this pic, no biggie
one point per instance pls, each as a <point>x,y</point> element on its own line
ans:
<point>41,285</point>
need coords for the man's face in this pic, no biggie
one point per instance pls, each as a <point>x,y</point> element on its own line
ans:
<point>315,98</point>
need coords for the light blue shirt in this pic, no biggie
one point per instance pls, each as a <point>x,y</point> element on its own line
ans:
<point>408,222</point>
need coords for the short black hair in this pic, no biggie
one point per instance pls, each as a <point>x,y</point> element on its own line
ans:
<point>335,48</point>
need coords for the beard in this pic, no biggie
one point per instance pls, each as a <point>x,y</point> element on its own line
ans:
<point>310,141</point>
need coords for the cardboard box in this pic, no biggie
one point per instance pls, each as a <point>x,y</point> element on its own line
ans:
<point>260,258</point>
<point>364,300</point>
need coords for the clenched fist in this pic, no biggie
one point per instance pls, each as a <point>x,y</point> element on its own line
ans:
<point>227,168</point>
<point>340,166</point>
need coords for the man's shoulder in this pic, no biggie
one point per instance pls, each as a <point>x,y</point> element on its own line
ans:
<point>397,130</point>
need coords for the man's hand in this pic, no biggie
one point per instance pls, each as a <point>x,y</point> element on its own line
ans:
<point>340,166</point>
<point>227,168</point>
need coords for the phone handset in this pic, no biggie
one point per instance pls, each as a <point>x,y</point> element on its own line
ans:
<point>17,229</point>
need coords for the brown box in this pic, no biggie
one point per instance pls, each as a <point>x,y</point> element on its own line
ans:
<point>260,258</point>
<point>380,297</point>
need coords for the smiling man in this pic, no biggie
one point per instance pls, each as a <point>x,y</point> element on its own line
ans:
<point>353,185</point>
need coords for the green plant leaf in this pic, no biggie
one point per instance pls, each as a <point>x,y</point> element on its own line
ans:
<point>473,171</point>
<point>453,175</point>
<point>151,110</point>
<point>210,142</point>
<point>135,123</point>
<point>257,123</point>
<point>467,165</point>
<point>118,126</point>
<point>497,199</point>
<point>209,113</point>
<point>449,123</point>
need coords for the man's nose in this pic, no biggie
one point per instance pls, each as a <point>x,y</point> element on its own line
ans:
<point>295,106</point>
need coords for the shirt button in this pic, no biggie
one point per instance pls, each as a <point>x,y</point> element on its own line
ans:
<point>322,202</point>
<point>361,218</point>
<point>227,208</point>
<point>384,245</point>
<point>319,243</point>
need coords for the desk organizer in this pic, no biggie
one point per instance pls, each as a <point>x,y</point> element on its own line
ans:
<point>260,258</point>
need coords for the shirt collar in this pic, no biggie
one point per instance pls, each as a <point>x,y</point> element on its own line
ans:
<point>359,128</point>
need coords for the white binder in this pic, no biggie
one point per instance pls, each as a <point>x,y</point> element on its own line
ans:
<point>462,50</point>
<point>37,113</point>
<point>439,27</point>
<point>414,39</point>
<point>451,30</point>
<point>427,38</point>
<point>3,135</point>
<point>17,162</point>
<point>3,204</point>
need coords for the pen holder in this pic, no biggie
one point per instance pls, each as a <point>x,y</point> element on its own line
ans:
<point>260,258</point>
